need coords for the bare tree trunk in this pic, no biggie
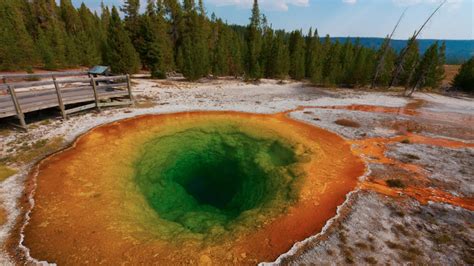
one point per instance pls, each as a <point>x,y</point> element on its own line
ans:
<point>410,77</point>
<point>384,54</point>
<point>405,52</point>
<point>417,84</point>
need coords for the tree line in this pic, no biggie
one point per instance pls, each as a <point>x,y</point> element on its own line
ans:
<point>174,35</point>
<point>464,80</point>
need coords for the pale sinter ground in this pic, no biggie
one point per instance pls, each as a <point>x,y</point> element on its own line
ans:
<point>371,228</point>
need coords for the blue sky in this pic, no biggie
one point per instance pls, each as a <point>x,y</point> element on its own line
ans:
<point>355,18</point>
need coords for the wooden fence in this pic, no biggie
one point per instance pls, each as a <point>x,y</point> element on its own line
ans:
<point>20,97</point>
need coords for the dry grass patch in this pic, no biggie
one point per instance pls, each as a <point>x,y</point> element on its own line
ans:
<point>29,152</point>
<point>370,260</point>
<point>146,104</point>
<point>443,239</point>
<point>395,183</point>
<point>6,172</point>
<point>411,156</point>
<point>405,141</point>
<point>4,132</point>
<point>393,245</point>
<point>450,72</point>
<point>361,245</point>
<point>46,122</point>
<point>406,126</point>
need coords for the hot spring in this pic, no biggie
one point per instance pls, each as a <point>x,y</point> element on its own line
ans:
<point>198,187</point>
<point>203,178</point>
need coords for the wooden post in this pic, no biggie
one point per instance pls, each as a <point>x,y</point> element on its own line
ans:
<point>129,87</point>
<point>60,98</point>
<point>19,113</point>
<point>4,82</point>
<point>96,96</point>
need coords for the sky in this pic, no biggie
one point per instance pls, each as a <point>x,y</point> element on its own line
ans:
<point>343,18</point>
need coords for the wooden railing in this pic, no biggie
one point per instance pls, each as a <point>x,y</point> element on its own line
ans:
<point>42,75</point>
<point>79,90</point>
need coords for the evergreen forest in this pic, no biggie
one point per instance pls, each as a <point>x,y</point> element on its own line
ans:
<point>179,36</point>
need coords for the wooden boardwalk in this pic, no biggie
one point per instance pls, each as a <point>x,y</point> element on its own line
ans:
<point>19,98</point>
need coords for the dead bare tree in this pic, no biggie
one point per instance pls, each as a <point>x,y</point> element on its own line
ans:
<point>405,51</point>
<point>419,81</point>
<point>410,79</point>
<point>381,63</point>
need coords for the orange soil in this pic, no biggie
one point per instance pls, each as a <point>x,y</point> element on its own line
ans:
<point>454,118</point>
<point>373,150</point>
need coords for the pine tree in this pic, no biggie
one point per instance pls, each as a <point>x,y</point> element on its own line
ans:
<point>70,17</point>
<point>194,46</point>
<point>434,72</point>
<point>254,35</point>
<point>29,19</point>
<point>221,49</point>
<point>330,68</point>
<point>177,35</point>
<point>174,13</point>
<point>91,37</point>
<point>151,8</point>
<point>464,80</point>
<point>318,53</point>
<point>427,66</point>
<point>297,55</point>
<point>203,40</point>
<point>104,27</point>
<point>149,50</point>
<point>74,38</point>
<point>237,43</point>
<point>347,61</point>
<point>166,44</point>
<point>131,9</point>
<point>51,34</point>
<point>105,17</point>
<point>439,72</point>
<point>363,67</point>
<point>45,51</point>
<point>154,45</point>
<point>388,68</point>
<point>309,53</point>
<point>410,64</point>
<point>120,52</point>
<point>16,45</point>
<point>267,45</point>
<point>385,63</point>
<point>280,60</point>
<point>430,71</point>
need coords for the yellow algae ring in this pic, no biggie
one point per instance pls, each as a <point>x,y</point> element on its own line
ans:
<point>199,187</point>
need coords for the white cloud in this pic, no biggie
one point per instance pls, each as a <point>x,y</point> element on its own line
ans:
<point>450,3</point>
<point>280,5</point>
<point>351,2</point>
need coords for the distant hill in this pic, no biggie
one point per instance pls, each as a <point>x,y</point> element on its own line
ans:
<point>457,51</point>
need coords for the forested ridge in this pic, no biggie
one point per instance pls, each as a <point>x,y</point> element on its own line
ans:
<point>457,51</point>
<point>173,35</point>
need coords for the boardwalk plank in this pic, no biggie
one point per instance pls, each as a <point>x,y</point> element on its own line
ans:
<point>44,99</point>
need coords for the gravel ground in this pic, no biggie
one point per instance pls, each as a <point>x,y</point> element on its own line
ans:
<point>379,230</point>
<point>451,169</point>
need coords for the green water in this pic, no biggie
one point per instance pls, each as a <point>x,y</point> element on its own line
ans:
<point>203,179</point>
